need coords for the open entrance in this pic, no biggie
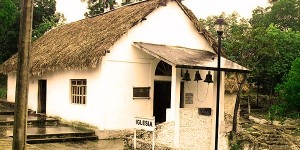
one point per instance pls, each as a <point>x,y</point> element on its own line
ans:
<point>162,99</point>
<point>162,92</point>
<point>42,94</point>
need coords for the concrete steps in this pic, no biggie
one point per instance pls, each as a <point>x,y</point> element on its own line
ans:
<point>7,120</point>
<point>54,134</point>
<point>42,129</point>
<point>62,137</point>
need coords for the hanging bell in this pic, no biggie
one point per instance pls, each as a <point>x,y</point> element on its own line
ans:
<point>186,76</point>
<point>208,78</point>
<point>197,76</point>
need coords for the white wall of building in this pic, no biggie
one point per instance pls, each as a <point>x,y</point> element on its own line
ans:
<point>11,87</point>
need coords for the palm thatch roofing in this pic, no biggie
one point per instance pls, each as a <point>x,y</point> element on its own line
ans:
<point>82,44</point>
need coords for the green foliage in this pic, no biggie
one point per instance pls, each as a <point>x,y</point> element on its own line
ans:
<point>3,86</point>
<point>277,112</point>
<point>284,13</point>
<point>8,28</point>
<point>46,25</point>
<point>96,7</point>
<point>44,18</point>
<point>8,14</point>
<point>234,41</point>
<point>3,92</point>
<point>277,50</point>
<point>289,90</point>
<point>268,52</point>
<point>43,9</point>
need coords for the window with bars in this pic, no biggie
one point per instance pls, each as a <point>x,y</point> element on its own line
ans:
<point>78,91</point>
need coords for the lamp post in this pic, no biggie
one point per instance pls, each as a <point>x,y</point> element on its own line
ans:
<point>219,25</point>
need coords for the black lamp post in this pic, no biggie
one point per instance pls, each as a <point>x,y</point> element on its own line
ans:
<point>219,25</point>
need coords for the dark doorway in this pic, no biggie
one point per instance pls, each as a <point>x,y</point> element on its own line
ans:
<point>162,100</point>
<point>42,94</point>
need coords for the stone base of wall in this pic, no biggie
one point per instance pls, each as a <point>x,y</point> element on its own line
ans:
<point>113,134</point>
<point>195,133</point>
<point>143,144</point>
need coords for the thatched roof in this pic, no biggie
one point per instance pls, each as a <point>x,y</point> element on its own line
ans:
<point>82,44</point>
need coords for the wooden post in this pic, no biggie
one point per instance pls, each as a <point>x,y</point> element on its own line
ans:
<point>21,97</point>
<point>134,139</point>
<point>153,138</point>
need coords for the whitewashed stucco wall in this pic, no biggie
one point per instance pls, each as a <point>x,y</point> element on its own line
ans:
<point>11,87</point>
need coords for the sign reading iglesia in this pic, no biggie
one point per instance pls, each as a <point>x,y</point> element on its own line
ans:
<point>147,124</point>
<point>142,123</point>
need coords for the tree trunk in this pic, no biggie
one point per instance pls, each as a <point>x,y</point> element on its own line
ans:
<point>21,97</point>
<point>237,104</point>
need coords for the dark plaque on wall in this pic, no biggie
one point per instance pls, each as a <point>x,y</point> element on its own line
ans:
<point>204,111</point>
<point>141,92</point>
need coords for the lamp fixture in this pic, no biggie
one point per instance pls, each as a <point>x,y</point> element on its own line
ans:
<point>220,25</point>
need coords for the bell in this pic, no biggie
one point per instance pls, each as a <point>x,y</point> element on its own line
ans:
<point>197,76</point>
<point>186,76</point>
<point>208,78</point>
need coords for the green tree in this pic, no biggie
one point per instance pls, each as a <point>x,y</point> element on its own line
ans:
<point>8,28</point>
<point>44,18</point>
<point>268,52</point>
<point>278,50</point>
<point>8,15</point>
<point>284,13</point>
<point>47,24</point>
<point>289,90</point>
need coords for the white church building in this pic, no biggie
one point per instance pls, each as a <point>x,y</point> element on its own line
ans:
<point>128,62</point>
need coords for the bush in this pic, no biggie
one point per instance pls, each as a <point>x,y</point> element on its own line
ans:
<point>277,112</point>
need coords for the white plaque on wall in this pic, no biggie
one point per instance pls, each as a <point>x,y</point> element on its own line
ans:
<point>188,97</point>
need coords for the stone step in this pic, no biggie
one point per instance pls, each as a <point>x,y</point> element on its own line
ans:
<point>278,142</point>
<point>63,139</point>
<point>280,147</point>
<point>60,135</point>
<point>7,112</point>
<point>35,122</point>
<point>53,134</point>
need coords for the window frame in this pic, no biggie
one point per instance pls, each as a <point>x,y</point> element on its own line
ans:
<point>78,91</point>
